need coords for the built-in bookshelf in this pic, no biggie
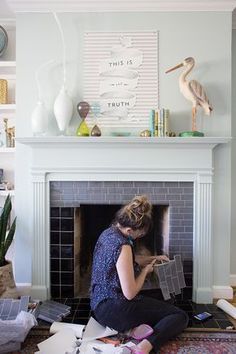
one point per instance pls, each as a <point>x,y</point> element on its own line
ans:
<point>8,109</point>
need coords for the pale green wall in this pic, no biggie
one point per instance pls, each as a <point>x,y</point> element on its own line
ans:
<point>233,160</point>
<point>201,35</point>
<point>204,35</point>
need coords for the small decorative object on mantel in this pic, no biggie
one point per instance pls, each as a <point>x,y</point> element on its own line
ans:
<point>3,91</point>
<point>63,105</point>
<point>96,131</point>
<point>3,40</point>
<point>83,109</point>
<point>96,109</point>
<point>146,133</point>
<point>171,134</point>
<point>194,92</point>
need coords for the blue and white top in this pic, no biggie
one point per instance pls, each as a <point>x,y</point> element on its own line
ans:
<point>105,283</point>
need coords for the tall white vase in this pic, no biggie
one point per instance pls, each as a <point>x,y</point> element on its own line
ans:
<point>39,119</point>
<point>63,109</point>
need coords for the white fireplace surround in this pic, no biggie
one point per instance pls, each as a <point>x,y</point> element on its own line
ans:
<point>125,159</point>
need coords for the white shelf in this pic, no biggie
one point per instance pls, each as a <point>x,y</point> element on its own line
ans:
<point>6,150</point>
<point>7,64</point>
<point>8,107</point>
<point>6,192</point>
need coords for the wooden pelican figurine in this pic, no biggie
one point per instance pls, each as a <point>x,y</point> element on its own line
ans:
<point>192,90</point>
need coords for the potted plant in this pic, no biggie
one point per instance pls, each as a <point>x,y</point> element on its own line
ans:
<point>7,231</point>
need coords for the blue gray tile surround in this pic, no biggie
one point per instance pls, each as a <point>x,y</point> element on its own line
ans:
<point>65,196</point>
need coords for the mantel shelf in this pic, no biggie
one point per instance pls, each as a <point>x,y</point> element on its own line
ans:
<point>123,142</point>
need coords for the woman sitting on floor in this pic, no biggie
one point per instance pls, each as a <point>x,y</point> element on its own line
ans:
<point>115,286</point>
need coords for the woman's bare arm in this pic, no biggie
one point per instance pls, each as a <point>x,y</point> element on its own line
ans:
<point>129,284</point>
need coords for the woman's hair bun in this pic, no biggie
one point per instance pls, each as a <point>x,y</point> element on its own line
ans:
<point>136,214</point>
<point>140,205</point>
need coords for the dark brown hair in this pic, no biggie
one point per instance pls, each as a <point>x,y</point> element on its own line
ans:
<point>136,214</point>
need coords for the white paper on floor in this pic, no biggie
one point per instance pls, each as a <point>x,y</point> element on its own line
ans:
<point>94,330</point>
<point>60,343</point>
<point>227,307</point>
<point>58,326</point>
<point>65,341</point>
<point>105,348</point>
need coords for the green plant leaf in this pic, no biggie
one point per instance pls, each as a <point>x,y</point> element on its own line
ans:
<point>9,237</point>
<point>6,237</point>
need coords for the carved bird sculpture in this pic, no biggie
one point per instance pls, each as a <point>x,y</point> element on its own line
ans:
<point>192,90</point>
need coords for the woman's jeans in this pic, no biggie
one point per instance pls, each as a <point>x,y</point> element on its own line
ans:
<point>166,320</point>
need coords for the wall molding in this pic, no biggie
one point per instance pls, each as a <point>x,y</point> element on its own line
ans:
<point>232,278</point>
<point>120,5</point>
<point>222,292</point>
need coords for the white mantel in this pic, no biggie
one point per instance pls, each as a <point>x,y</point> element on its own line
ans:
<point>125,159</point>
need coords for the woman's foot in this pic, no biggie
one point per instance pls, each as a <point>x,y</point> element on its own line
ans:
<point>140,332</point>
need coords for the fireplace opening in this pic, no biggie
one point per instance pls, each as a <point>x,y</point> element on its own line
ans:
<point>91,220</point>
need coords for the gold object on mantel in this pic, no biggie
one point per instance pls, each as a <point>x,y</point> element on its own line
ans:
<point>145,133</point>
<point>3,91</point>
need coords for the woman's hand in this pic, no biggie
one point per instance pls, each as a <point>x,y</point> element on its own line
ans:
<point>149,267</point>
<point>162,258</point>
<point>145,260</point>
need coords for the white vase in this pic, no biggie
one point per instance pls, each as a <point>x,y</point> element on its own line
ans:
<point>63,109</point>
<point>39,119</point>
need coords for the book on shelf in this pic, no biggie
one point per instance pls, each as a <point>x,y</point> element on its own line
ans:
<point>152,122</point>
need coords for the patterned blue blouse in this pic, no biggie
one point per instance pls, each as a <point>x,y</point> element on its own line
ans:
<point>105,282</point>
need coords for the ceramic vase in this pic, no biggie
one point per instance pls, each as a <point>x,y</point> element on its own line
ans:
<point>39,119</point>
<point>63,109</point>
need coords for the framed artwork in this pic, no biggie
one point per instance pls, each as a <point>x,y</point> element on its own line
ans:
<point>121,74</point>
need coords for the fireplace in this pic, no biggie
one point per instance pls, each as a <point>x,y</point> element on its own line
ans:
<point>90,207</point>
<point>124,159</point>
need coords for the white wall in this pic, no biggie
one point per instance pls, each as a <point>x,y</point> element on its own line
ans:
<point>233,162</point>
<point>205,36</point>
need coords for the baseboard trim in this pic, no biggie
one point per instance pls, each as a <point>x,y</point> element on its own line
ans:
<point>23,288</point>
<point>222,292</point>
<point>232,279</point>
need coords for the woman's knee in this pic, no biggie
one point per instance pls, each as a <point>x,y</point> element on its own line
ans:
<point>183,318</point>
